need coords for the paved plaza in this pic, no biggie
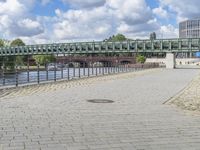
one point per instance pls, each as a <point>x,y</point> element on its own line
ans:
<point>59,117</point>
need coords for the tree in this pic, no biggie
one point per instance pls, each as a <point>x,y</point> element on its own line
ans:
<point>19,60</point>
<point>116,38</point>
<point>43,59</point>
<point>12,61</point>
<point>140,59</point>
<point>2,44</point>
<point>17,42</point>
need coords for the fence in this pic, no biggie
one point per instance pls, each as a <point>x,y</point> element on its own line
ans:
<point>21,75</point>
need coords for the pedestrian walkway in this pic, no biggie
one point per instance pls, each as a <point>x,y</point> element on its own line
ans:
<point>63,119</point>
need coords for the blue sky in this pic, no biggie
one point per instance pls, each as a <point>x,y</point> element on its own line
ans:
<point>46,21</point>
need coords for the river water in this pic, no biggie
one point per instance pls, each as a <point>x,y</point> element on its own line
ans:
<point>42,76</point>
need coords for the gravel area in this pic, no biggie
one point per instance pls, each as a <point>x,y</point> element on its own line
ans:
<point>189,97</point>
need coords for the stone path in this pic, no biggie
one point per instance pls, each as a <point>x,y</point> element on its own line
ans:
<point>63,119</point>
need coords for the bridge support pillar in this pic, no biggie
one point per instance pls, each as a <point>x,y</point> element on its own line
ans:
<point>170,61</point>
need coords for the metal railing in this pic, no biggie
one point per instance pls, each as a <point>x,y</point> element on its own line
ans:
<point>23,75</point>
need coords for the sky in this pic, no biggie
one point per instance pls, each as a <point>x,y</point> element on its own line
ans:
<point>54,21</point>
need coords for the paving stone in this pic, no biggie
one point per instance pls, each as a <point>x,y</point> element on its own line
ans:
<point>58,116</point>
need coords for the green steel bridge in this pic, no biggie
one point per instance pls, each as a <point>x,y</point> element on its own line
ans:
<point>131,46</point>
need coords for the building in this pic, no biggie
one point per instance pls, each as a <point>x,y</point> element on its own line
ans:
<point>189,29</point>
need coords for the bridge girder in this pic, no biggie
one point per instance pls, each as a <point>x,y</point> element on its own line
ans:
<point>131,46</point>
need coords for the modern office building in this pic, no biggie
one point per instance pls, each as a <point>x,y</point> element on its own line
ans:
<point>189,29</point>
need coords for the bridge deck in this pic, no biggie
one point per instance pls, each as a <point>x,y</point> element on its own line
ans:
<point>131,46</point>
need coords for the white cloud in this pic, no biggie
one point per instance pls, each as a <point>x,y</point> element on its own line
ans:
<point>161,13</point>
<point>185,9</point>
<point>16,20</point>
<point>115,16</point>
<point>84,20</point>
<point>44,2</point>
<point>95,23</point>
<point>11,7</point>
<point>168,31</point>
<point>85,3</point>
<point>27,27</point>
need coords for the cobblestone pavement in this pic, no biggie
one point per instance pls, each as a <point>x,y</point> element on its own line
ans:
<point>62,119</point>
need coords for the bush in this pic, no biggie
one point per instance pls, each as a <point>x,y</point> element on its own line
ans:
<point>140,59</point>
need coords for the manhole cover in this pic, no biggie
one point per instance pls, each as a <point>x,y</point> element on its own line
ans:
<point>100,101</point>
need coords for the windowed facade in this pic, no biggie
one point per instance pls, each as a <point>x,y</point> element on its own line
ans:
<point>189,29</point>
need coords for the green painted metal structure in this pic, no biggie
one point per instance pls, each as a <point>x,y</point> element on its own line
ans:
<point>131,46</point>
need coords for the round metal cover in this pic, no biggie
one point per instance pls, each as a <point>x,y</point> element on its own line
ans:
<point>100,101</point>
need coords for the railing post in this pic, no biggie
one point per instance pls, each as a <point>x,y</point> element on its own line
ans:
<point>16,77</point>
<point>99,68</point>
<point>74,71</point>
<point>3,72</point>
<point>68,72</point>
<point>84,64</point>
<point>96,69</point>
<point>79,71</point>
<point>55,74</point>
<point>109,64</point>
<point>103,69</point>
<point>106,67</point>
<point>38,73</point>
<point>62,71</point>
<point>47,72</point>
<point>28,71</point>
<point>88,69</point>
<point>92,69</point>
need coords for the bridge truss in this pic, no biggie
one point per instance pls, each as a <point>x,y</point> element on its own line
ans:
<point>131,46</point>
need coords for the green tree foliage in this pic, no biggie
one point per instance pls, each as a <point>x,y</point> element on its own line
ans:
<point>1,62</point>
<point>2,44</point>
<point>140,59</point>
<point>44,59</point>
<point>11,61</point>
<point>17,60</point>
<point>116,38</point>
<point>17,42</point>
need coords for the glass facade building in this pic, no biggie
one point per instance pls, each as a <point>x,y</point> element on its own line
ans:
<point>189,29</point>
